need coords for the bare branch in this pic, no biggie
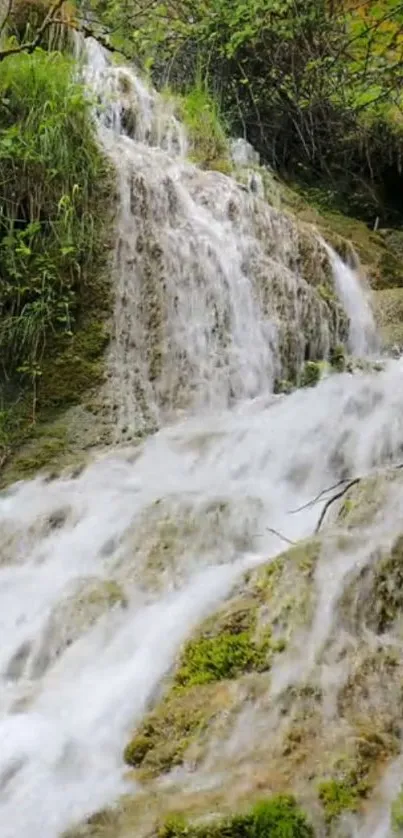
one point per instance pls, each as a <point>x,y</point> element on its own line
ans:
<point>279,535</point>
<point>30,46</point>
<point>319,497</point>
<point>334,498</point>
<point>6,16</point>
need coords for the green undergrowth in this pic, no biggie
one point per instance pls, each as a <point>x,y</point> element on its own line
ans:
<point>276,817</point>
<point>54,238</point>
<point>207,664</point>
<point>200,112</point>
<point>397,813</point>
<point>338,796</point>
<point>226,655</point>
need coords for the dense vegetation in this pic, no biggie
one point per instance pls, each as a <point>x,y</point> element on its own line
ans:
<point>315,85</point>
<point>54,184</point>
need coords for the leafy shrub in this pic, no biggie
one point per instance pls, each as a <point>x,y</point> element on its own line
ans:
<point>201,115</point>
<point>54,185</point>
<point>315,86</point>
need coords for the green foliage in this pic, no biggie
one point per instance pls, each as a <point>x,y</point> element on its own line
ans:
<point>315,86</point>
<point>311,373</point>
<point>337,796</point>
<point>201,115</point>
<point>54,183</point>
<point>397,813</point>
<point>166,732</point>
<point>276,817</point>
<point>225,655</point>
<point>338,358</point>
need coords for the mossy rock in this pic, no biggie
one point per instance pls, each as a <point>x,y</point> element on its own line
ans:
<point>237,642</point>
<point>168,731</point>
<point>388,310</point>
<point>337,796</point>
<point>276,817</point>
<point>364,500</point>
<point>386,600</point>
<point>311,374</point>
<point>379,252</point>
<point>76,614</point>
<point>73,373</point>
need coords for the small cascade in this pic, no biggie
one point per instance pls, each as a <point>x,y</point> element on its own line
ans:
<point>362,339</point>
<point>217,293</point>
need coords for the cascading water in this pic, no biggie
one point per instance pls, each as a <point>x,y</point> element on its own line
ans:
<point>104,574</point>
<point>363,339</point>
<point>217,292</point>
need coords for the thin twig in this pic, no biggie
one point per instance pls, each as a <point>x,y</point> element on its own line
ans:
<point>335,497</point>
<point>279,535</point>
<point>319,497</point>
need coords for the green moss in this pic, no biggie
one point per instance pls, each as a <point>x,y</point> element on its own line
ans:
<point>387,590</point>
<point>326,293</point>
<point>54,319</point>
<point>77,367</point>
<point>311,374</point>
<point>397,813</point>
<point>209,145</point>
<point>276,817</point>
<point>283,386</point>
<point>227,655</point>
<point>337,796</point>
<point>45,453</point>
<point>165,734</point>
<point>338,358</point>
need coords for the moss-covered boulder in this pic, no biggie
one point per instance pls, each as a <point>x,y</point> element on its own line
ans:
<point>276,817</point>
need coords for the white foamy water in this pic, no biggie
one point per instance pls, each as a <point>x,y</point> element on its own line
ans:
<point>362,339</point>
<point>104,575</point>
<point>67,711</point>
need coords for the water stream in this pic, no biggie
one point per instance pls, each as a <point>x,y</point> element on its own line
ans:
<point>91,618</point>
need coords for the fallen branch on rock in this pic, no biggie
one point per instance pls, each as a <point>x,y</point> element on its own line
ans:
<point>335,497</point>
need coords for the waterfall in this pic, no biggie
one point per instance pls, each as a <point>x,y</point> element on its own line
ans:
<point>104,574</point>
<point>363,339</point>
<point>217,293</point>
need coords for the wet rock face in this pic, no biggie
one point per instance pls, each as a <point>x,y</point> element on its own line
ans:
<point>218,293</point>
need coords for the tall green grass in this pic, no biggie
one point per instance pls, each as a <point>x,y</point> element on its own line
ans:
<point>202,116</point>
<point>53,188</point>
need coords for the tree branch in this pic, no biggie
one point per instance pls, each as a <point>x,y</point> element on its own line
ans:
<point>335,497</point>
<point>30,46</point>
<point>279,535</point>
<point>7,15</point>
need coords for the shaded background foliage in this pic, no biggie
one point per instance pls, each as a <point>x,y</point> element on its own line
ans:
<point>315,85</point>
